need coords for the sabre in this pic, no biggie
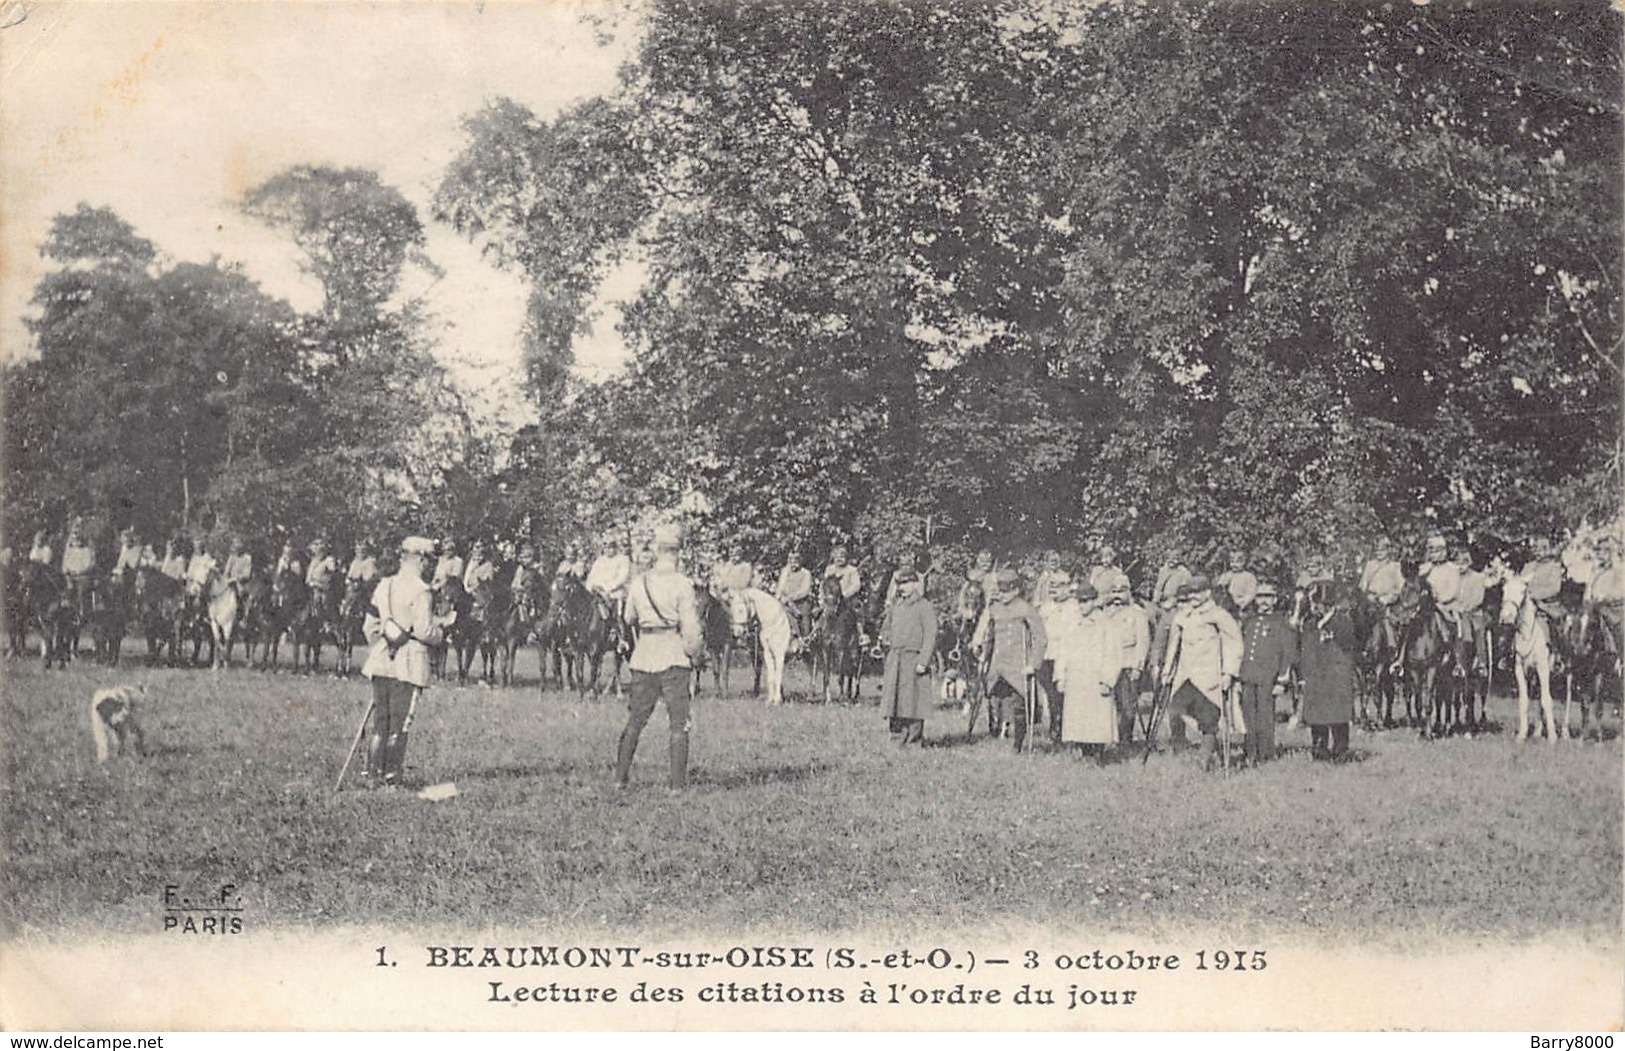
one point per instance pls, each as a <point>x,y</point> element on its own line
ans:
<point>355,744</point>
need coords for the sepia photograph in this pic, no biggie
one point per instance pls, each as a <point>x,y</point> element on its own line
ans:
<point>812,515</point>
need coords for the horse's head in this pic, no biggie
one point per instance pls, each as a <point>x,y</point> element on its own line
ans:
<point>1514,590</point>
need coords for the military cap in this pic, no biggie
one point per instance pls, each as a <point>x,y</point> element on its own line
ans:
<point>417,545</point>
<point>1008,578</point>
<point>905,576</point>
<point>1265,588</point>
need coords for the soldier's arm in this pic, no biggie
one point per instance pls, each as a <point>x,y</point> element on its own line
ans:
<point>1230,644</point>
<point>688,624</point>
<point>1040,641</point>
<point>928,647</point>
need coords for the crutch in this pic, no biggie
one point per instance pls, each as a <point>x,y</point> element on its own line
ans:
<point>355,744</point>
<point>1226,699</point>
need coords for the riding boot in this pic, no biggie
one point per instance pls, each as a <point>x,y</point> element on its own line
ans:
<point>679,760</point>
<point>394,758</point>
<point>373,768</point>
<point>624,752</point>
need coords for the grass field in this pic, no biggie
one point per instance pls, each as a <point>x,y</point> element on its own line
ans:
<point>802,816</point>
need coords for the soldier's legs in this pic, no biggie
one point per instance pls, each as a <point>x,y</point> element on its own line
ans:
<point>1258,712</point>
<point>392,699</point>
<point>674,688</point>
<point>1126,696</point>
<point>641,697</point>
<point>1048,692</point>
<point>1012,706</point>
<point>1319,735</point>
<point>1340,740</point>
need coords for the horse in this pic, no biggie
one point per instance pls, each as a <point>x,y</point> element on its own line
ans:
<point>956,652</point>
<point>553,633</point>
<point>107,618</point>
<point>594,635</point>
<point>352,618</point>
<point>16,609</point>
<point>462,634</point>
<point>1425,658</point>
<point>524,610</point>
<point>837,648</point>
<point>48,605</point>
<point>253,615</point>
<point>222,613</point>
<point>314,623</point>
<point>1595,647</point>
<point>716,636</point>
<point>772,636</point>
<point>746,633</point>
<point>286,603</point>
<point>1378,663</point>
<point>490,614</point>
<point>156,605</point>
<point>1532,651</point>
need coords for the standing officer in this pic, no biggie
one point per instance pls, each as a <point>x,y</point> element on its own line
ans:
<point>910,635</point>
<point>401,626</point>
<point>1126,644</point>
<point>1012,637</point>
<point>662,611</point>
<point>1268,649</point>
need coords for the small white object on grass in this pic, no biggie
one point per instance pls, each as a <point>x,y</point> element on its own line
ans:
<point>436,793</point>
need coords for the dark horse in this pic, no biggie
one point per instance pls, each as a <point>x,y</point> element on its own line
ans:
<point>716,636</point>
<point>352,616</point>
<point>838,649</point>
<point>315,623</point>
<point>1594,648</point>
<point>107,617</point>
<point>553,634</point>
<point>490,613</point>
<point>1425,659</point>
<point>462,634</point>
<point>288,601</point>
<point>37,596</point>
<point>526,605</point>
<point>158,606</point>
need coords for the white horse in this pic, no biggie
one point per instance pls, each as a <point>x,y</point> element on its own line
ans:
<point>1532,650</point>
<point>773,624</point>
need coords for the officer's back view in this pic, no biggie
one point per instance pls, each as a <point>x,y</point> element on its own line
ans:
<point>660,608</point>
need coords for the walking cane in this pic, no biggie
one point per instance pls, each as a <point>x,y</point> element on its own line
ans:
<point>1227,699</point>
<point>359,732</point>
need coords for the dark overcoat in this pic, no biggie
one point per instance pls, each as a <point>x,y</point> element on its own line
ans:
<point>1326,650</point>
<point>910,635</point>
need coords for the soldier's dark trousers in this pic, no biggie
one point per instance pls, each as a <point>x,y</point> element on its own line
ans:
<point>1188,700</point>
<point>1050,695</point>
<point>1258,712</point>
<point>1012,706</point>
<point>647,689</point>
<point>386,728</point>
<point>1329,740</point>
<point>1126,696</point>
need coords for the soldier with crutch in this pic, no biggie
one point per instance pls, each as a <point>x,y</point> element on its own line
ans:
<point>1012,638</point>
<point>1204,655</point>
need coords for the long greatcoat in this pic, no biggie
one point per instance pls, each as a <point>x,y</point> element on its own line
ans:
<point>1326,651</point>
<point>1086,674</point>
<point>910,635</point>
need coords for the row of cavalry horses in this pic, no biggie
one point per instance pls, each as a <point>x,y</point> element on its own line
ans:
<point>1407,663</point>
<point>581,635</point>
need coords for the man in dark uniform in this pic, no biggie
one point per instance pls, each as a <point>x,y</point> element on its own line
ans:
<point>910,637</point>
<point>661,609</point>
<point>1268,650</point>
<point>1012,637</point>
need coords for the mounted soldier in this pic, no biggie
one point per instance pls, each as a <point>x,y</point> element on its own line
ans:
<point>363,569</point>
<point>845,575</point>
<point>794,590</point>
<point>319,578</point>
<point>448,567</point>
<point>1442,578</point>
<point>1382,580</point>
<point>610,574</point>
<point>78,566</point>
<point>1237,585</point>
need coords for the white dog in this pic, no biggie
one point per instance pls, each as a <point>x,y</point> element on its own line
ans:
<point>113,709</point>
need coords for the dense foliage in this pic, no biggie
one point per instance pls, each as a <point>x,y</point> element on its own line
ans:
<point>1026,274</point>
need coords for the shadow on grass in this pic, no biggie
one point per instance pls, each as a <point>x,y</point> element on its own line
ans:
<point>784,774</point>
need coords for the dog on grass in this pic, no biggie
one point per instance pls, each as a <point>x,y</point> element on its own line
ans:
<point>113,718</point>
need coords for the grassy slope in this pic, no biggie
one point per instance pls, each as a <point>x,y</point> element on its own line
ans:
<point>801,818</point>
